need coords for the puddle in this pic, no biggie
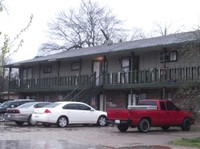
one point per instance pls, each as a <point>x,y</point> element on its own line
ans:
<point>60,144</point>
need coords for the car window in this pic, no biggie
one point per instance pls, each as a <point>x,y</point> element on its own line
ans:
<point>5,104</point>
<point>26,105</point>
<point>162,105</point>
<point>152,103</point>
<point>52,105</point>
<point>170,106</point>
<point>84,107</point>
<point>71,106</point>
<point>40,105</point>
<point>15,104</point>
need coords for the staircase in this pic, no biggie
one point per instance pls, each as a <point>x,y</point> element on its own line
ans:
<point>84,92</point>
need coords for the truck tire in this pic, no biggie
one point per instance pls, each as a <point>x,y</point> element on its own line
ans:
<point>186,125</point>
<point>144,125</point>
<point>122,127</point>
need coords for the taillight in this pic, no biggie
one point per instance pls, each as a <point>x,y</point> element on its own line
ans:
<point>47,111</point>
<point>13,111</point>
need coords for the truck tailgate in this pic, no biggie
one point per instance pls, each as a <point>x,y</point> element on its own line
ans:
<point>117,114</point>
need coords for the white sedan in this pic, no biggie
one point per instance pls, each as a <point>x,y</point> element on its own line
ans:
<point>64,113</point>
<point>23,113</point>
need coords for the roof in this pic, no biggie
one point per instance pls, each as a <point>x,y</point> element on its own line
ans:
<point>143,44</point>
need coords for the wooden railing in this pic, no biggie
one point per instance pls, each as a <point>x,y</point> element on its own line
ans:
<point>116,78</point>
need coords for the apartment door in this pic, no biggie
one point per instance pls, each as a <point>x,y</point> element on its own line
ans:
<point>125,69</point>
<point>26,76</point>
<point>96,69</point>
<point>131,99</point>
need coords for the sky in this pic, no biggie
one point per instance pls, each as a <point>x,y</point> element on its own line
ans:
<point>182,14</point>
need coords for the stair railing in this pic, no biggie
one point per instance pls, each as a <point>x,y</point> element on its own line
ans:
<point>81,89</point>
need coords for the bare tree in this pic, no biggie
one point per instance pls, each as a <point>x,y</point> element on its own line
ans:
<point>138,33</point>
<point>8,47</point>
<point>82,28</point>
<point>2,7</point>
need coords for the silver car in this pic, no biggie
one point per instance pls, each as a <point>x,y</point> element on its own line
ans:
<point>23,113</point>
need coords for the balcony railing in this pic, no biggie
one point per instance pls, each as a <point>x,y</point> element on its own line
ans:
<point>153,76</point>
<point>131,78</point>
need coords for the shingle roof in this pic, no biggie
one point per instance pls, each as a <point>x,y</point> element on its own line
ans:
<point>161,41</point>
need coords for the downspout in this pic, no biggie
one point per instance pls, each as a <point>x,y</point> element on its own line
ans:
<point>10,69</point>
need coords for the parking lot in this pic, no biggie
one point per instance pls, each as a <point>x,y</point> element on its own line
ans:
<point>87,137</point>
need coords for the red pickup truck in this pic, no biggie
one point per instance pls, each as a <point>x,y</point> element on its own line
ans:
<point>150,113</point>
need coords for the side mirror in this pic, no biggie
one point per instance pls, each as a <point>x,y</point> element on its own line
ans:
<point>177,109</point>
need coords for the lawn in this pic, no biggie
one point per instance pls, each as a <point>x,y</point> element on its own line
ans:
<point>194,142</point>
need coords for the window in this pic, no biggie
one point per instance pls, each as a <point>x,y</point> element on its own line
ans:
<point>170,56</point>
<point>84,107</point>
<point>40,105</point>
<point>75,66</point>
<point>162,106</point>
<point>47,69</point>
<point>27,73</point>
<point>152,103</point>
<point>125,64</point>
<point>71,107</point>
<point>171,106</point>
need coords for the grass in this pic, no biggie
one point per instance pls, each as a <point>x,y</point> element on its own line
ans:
<point>194,142</point>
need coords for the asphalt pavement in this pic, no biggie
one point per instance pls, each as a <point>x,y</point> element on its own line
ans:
<point>88,137</point>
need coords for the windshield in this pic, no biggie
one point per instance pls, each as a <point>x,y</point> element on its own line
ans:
<point>5,104</point>
<point>27,105</point>
<point>51,105</point>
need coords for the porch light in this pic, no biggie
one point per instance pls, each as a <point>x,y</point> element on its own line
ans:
<point>99,58</point>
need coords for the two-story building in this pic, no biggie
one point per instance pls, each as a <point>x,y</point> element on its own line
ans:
<point>110,75</point>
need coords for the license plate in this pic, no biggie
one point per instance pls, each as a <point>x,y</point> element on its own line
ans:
<point>117,121</point>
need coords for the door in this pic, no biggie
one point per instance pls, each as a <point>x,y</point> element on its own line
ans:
<point>168,115</point>
<point>96,69</point>
<point>131,100</point>
<point>173,113</point>
<point>73,112</point>
<point>26,76</point>
<point>88,115</point>
<point>125,69</point>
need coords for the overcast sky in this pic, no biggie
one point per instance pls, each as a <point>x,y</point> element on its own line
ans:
<point>135,13</point>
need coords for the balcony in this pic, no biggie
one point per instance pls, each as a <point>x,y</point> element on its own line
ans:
<point>155,78</point>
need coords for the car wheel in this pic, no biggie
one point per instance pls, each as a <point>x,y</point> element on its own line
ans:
<point>2,118</point>
<point>62,121</point>
<point>122,127</point>
<point>31,122</point>
<point>186,125</point>
<point>101,121</point>
<point>144,125</point>
<point>165,128</point>
<point>19,123</point>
